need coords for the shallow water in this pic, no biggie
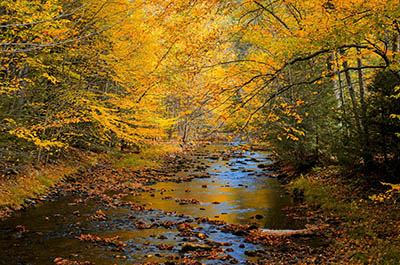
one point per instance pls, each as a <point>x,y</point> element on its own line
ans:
<point>238,192</point>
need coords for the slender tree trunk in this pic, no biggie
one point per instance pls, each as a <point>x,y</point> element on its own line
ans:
<point>395,45</point>
<point>316,151</point>
<point>337,87</point>
<point>291,96</point>
<point>361,87</point>
<point>366,149</point>
<point>184,133</point>
<point>340,93</point>
<point>23,74</point>
<point>339,83</point>
<point>352,94</point>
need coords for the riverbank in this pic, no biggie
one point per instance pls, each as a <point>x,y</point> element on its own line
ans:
<point>36,183</point>
<point>364,221</point>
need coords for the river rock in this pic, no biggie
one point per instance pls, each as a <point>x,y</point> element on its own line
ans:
<point>193,247</point>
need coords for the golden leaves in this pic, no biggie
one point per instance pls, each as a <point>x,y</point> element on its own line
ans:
<point>50,78</point>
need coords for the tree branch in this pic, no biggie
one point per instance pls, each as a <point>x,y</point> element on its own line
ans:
<point>155,68</point>
<point>273,14</point>
<point>43,21</point>
<point>41,46</point>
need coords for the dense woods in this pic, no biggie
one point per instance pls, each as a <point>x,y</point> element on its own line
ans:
<point>100,75</point>
<point>324,76</point>
<point>316,81</point>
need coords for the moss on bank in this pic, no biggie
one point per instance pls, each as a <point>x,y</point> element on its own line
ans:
<point>34,181</point>
<point>366,229</point>
<point>151,156</point>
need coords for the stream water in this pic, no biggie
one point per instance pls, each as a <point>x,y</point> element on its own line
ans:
<point>238,191</point>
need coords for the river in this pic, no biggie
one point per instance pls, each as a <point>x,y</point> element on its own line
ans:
<point>236,189</point>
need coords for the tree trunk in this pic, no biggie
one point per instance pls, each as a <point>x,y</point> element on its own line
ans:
<point>337,84</point>
<point>340,94</point>
<point>364,123</point>
<point>395,45</point>
<point>352,93</point>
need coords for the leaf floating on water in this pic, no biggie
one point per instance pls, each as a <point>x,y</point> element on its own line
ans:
<point>183,201</point>
<point>20,228</point>
<point>165,247</point>
<point>99,215</point>
<point>108,241</point>
<point>61,261</point>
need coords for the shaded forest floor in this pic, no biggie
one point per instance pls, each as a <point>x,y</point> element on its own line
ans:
<point>364,219</point>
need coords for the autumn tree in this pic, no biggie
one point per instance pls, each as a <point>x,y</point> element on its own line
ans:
<point>99,75</point>
<point>288,50</point>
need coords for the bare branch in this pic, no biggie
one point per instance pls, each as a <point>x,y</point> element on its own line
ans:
<point>232,62</point>
<point>273,14</point>
<point>41,46</point>
<point>155,68</point>
<point>310,82</point>
<point>44,21</point>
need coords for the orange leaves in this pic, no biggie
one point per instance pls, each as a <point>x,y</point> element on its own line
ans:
<point>111,241</point>
<point>61,261</point>
<point>99,215</point>
<point>273,117</point>
<point>50,78</point>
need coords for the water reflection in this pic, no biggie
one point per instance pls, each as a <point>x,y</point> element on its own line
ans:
<point>232,196</point>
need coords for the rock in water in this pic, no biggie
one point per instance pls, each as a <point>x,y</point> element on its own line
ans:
<point>193,247</point>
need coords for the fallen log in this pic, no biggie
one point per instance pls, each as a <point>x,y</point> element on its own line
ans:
<point>310,230</point>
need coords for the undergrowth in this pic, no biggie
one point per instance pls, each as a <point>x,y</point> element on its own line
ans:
<point>369,228</point>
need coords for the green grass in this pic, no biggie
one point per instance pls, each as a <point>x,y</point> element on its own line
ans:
<point>150,156</point>
<point>135,162</point>
<point>328,197</point>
